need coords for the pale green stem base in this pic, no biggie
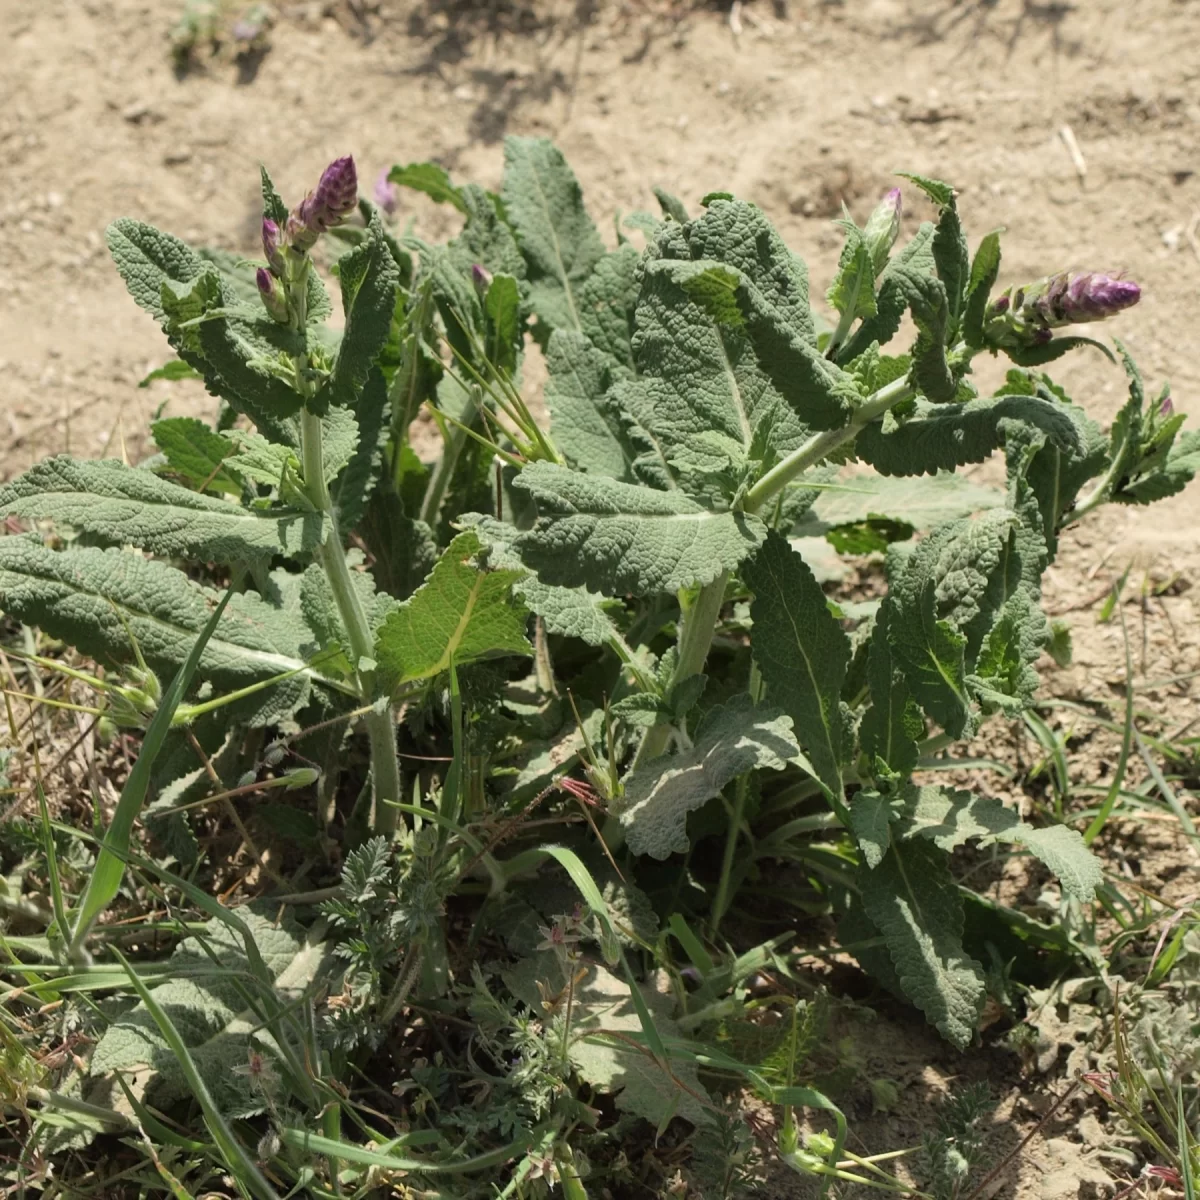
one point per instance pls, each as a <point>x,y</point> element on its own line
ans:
<point>380,724</point>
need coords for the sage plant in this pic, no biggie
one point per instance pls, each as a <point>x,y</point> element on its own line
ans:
<point>644,548</point>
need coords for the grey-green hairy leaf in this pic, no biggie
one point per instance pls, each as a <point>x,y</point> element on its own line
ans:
<point>615,537</point>
<point>560,243</point>
<point>949,818</point>
<point>205,999</point>
<point>118,505</point>
<point>802,653</point>
<point>913,900</point>
<point>733,738</point>
<point>195,453</point>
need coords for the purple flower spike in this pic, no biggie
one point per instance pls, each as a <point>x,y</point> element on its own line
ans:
<point>1026,316</point>
<point>272,241</point>
<point>883,227</point>
<point>335,196</point>
<point>387,193</point>
<point>273,296</point>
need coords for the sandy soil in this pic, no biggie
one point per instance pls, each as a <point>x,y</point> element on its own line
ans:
<point>798,107</point>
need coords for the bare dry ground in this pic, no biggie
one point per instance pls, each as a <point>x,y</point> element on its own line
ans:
<point>800,107</point>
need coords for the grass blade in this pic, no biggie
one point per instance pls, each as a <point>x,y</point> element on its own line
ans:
<point>1114,791</point>
<point>106,877</point>
<point>235,1156</point>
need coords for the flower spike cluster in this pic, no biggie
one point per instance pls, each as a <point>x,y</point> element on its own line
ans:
<point>281,283</point>
<point>1027,315</point>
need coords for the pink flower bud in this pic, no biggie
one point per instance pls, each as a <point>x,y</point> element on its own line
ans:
<point>1026,315</point>
<point>481,277</point>
<point>882,228</point>
<point>273,296</point>
<point>272,246</point>
<point>387,193</point>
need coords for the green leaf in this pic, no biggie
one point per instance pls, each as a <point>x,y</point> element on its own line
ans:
<point>118,505</point>
<point>369,278</point>
<point>940,437</point>
<point>460,614</point>
<point>942,194</point>
<point>1165,479</point>
<point>853,287</point>
<point>607,301</point>
<point>586,423</point>
<point>560,243</point>
<point>802,652</point>
<point>176,369</point>
<point>929,651</point>
<point>870,822</point>
<point>355,482</point>
<point>502,309</point>
<point>915,261</point>
<point>146,258</point>
<point>324,618</point>
<point>913,900</point>
<point>671,205</point>
<point>96,599</point>
<point>432,180</point>
<point>892,726</point>
<point>195,452</point>
<point>206,999</point>
<point>949,818</point>
<point>273,205</point>
<point>920,503</point>
<point>487,238</point>
<point>985,267</point>
<point>733,738</point>
<point>616,537</point>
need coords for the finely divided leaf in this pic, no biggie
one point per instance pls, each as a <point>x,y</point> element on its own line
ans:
<point>733,738</point>
<point>460,614</point>
<point>913,900</point>
<point>118,505</point>
<point>802,653</point>
<point>558,239</point>
<point>615,537</point>
<point>949,818</point>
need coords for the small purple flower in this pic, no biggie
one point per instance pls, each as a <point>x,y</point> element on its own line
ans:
<point>883,227</point>
<point>481,277</point>
<point>273,296</point>
<point>1166,407</point>
<point>387,193</point>
<point>272,241</point>
<point>335,196</point>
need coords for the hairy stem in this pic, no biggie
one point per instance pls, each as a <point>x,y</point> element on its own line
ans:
<point>695,639</point>
<point>822,445</point>
<point>385,766</point>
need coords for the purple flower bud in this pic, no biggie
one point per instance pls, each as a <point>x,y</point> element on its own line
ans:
<point>335,196</point>
<point>273,296</point>
<point>1027,315</point>
<point>1166,407</point>
<point>882,228</point>
<point>272,246</point>
<point>387,193</point>
<point>481,277</point>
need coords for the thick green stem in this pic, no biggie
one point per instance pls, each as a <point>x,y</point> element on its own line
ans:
<point>695,639</point>
<point>822,445</point>
<point>385,766</point>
